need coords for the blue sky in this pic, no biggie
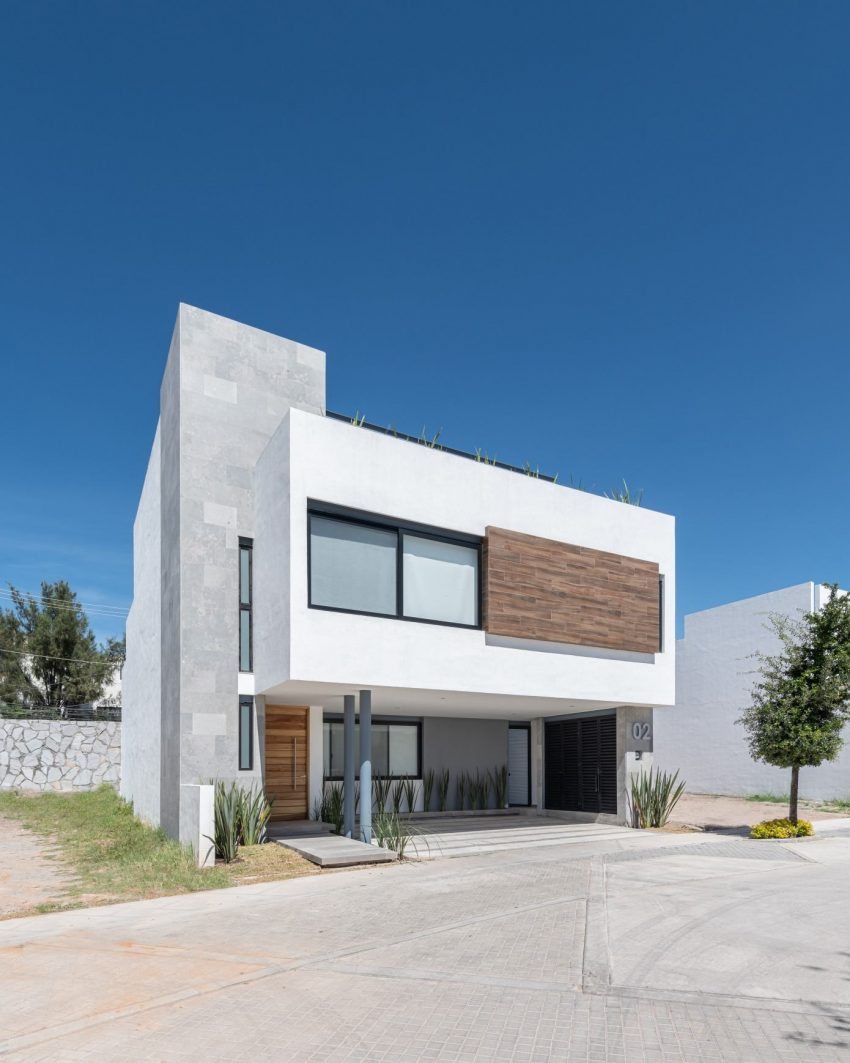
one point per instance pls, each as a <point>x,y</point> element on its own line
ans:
<point>609,239</point>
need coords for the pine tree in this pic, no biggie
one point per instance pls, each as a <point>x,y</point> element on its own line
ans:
<point>48,652</point>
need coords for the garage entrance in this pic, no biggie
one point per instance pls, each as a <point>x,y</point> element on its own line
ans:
<point>581,764</point>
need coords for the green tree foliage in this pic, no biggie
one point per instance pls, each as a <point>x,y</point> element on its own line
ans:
<point>802,699</point>
<point>49,655</point>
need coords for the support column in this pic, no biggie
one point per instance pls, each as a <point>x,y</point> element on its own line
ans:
<point>348,755</point>
<point>366,766</point>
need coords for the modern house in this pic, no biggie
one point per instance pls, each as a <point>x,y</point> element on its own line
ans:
<point>287,558</point>
<point>715,672</point>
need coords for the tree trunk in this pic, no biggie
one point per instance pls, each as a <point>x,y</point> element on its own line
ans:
<point>795,782</point>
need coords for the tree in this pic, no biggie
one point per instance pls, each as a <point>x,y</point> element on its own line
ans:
<point>802,700</point>
<point>48,652</point>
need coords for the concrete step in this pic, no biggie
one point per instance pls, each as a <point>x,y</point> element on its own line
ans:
<point>331,850</point>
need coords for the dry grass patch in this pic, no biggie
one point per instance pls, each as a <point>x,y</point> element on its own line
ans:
<point>113,856</point>
<point>266,863</point>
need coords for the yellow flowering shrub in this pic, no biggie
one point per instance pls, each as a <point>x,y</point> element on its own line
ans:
<point>782,828</point>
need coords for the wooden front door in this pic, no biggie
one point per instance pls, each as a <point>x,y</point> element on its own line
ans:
<point>287,740</point>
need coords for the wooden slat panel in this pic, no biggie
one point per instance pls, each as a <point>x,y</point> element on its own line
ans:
<point>537,588</point>
<point>285,723</point>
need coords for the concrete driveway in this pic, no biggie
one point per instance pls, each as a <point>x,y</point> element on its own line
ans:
<point>714,949</point>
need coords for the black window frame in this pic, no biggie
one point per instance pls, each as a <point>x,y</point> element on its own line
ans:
<point>405,721</point>
<point>246,704</point>
<point>246,544</point>
<point>524,726</point>
<point>401,528</point>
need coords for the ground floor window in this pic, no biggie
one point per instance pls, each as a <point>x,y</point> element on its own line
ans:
<point>396,748</point>
<point>246,734</point>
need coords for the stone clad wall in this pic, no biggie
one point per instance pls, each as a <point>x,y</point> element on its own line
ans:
<point>59,754</point>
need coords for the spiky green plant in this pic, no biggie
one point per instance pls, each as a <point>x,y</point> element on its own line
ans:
<point>462,785</point>
<point>443,789</point>
<point>397,794</point>
<point>473,785</point>
<point>394,832</point>
<point>254,812</point>
<point>653,796</point>
<point>433,442</point>
<point>624,494</point>
<point>427,789</point>
<point>411,791</point>
<point>359,419</point>
<point>226,810</point>
<point>380,792</point>
<point>500,785</point>
<point>335,805</point>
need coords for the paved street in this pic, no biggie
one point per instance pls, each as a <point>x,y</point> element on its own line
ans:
<point>685,950</point>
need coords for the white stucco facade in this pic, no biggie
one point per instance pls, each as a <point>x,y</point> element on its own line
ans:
<point>243,447</point>
<point>307,653</point>
<point>716,671</point>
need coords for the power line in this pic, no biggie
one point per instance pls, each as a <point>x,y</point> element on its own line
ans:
<point>65,603</point>
<point>51,657</point>
<point>117,612</point>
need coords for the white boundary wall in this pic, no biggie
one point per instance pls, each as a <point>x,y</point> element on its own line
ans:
<point>714,677</point>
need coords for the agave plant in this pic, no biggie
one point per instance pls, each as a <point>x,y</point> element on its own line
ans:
<point>380,792</point>
<point>462,787</point>
<point>653,796</point>
<point>427,789</point>
<point>397,794</point>
<point>394,832</point>
<point>500,785</point>
<point>473,786</point>
<point>226,813</point>
<point>624,494</point>
<point>254,812</point>
<point>334,806</point>
<point>411,791</point>
<point>443,789</point>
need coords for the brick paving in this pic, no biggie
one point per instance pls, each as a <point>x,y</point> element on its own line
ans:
<point>474,959</point>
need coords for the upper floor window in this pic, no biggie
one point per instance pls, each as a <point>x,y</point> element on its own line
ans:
<point>246,654</point>
<point>365,564</point>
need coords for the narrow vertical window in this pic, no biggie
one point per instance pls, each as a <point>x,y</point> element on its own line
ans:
<point>246,734</point>
<point>246,663</point>
<point>660,614</point>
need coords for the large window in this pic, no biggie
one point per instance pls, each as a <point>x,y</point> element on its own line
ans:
<point>440,580</point>
<point>395,749</point>
<point>246,653</point>
<point>365,564</point>
<point>352,566</point>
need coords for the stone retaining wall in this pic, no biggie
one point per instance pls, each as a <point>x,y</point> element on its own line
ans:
<point>59,754</point>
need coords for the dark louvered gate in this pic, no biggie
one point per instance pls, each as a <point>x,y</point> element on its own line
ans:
<point>581,764</point>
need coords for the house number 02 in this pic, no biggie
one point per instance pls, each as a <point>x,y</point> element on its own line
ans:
<point>641,732</point>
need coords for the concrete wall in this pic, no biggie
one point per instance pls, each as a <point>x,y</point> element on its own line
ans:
<point>142,681</point>
<point>225,390</point>
<point>463,745</point>
<point>59,754</point>
<point>715,674</point>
